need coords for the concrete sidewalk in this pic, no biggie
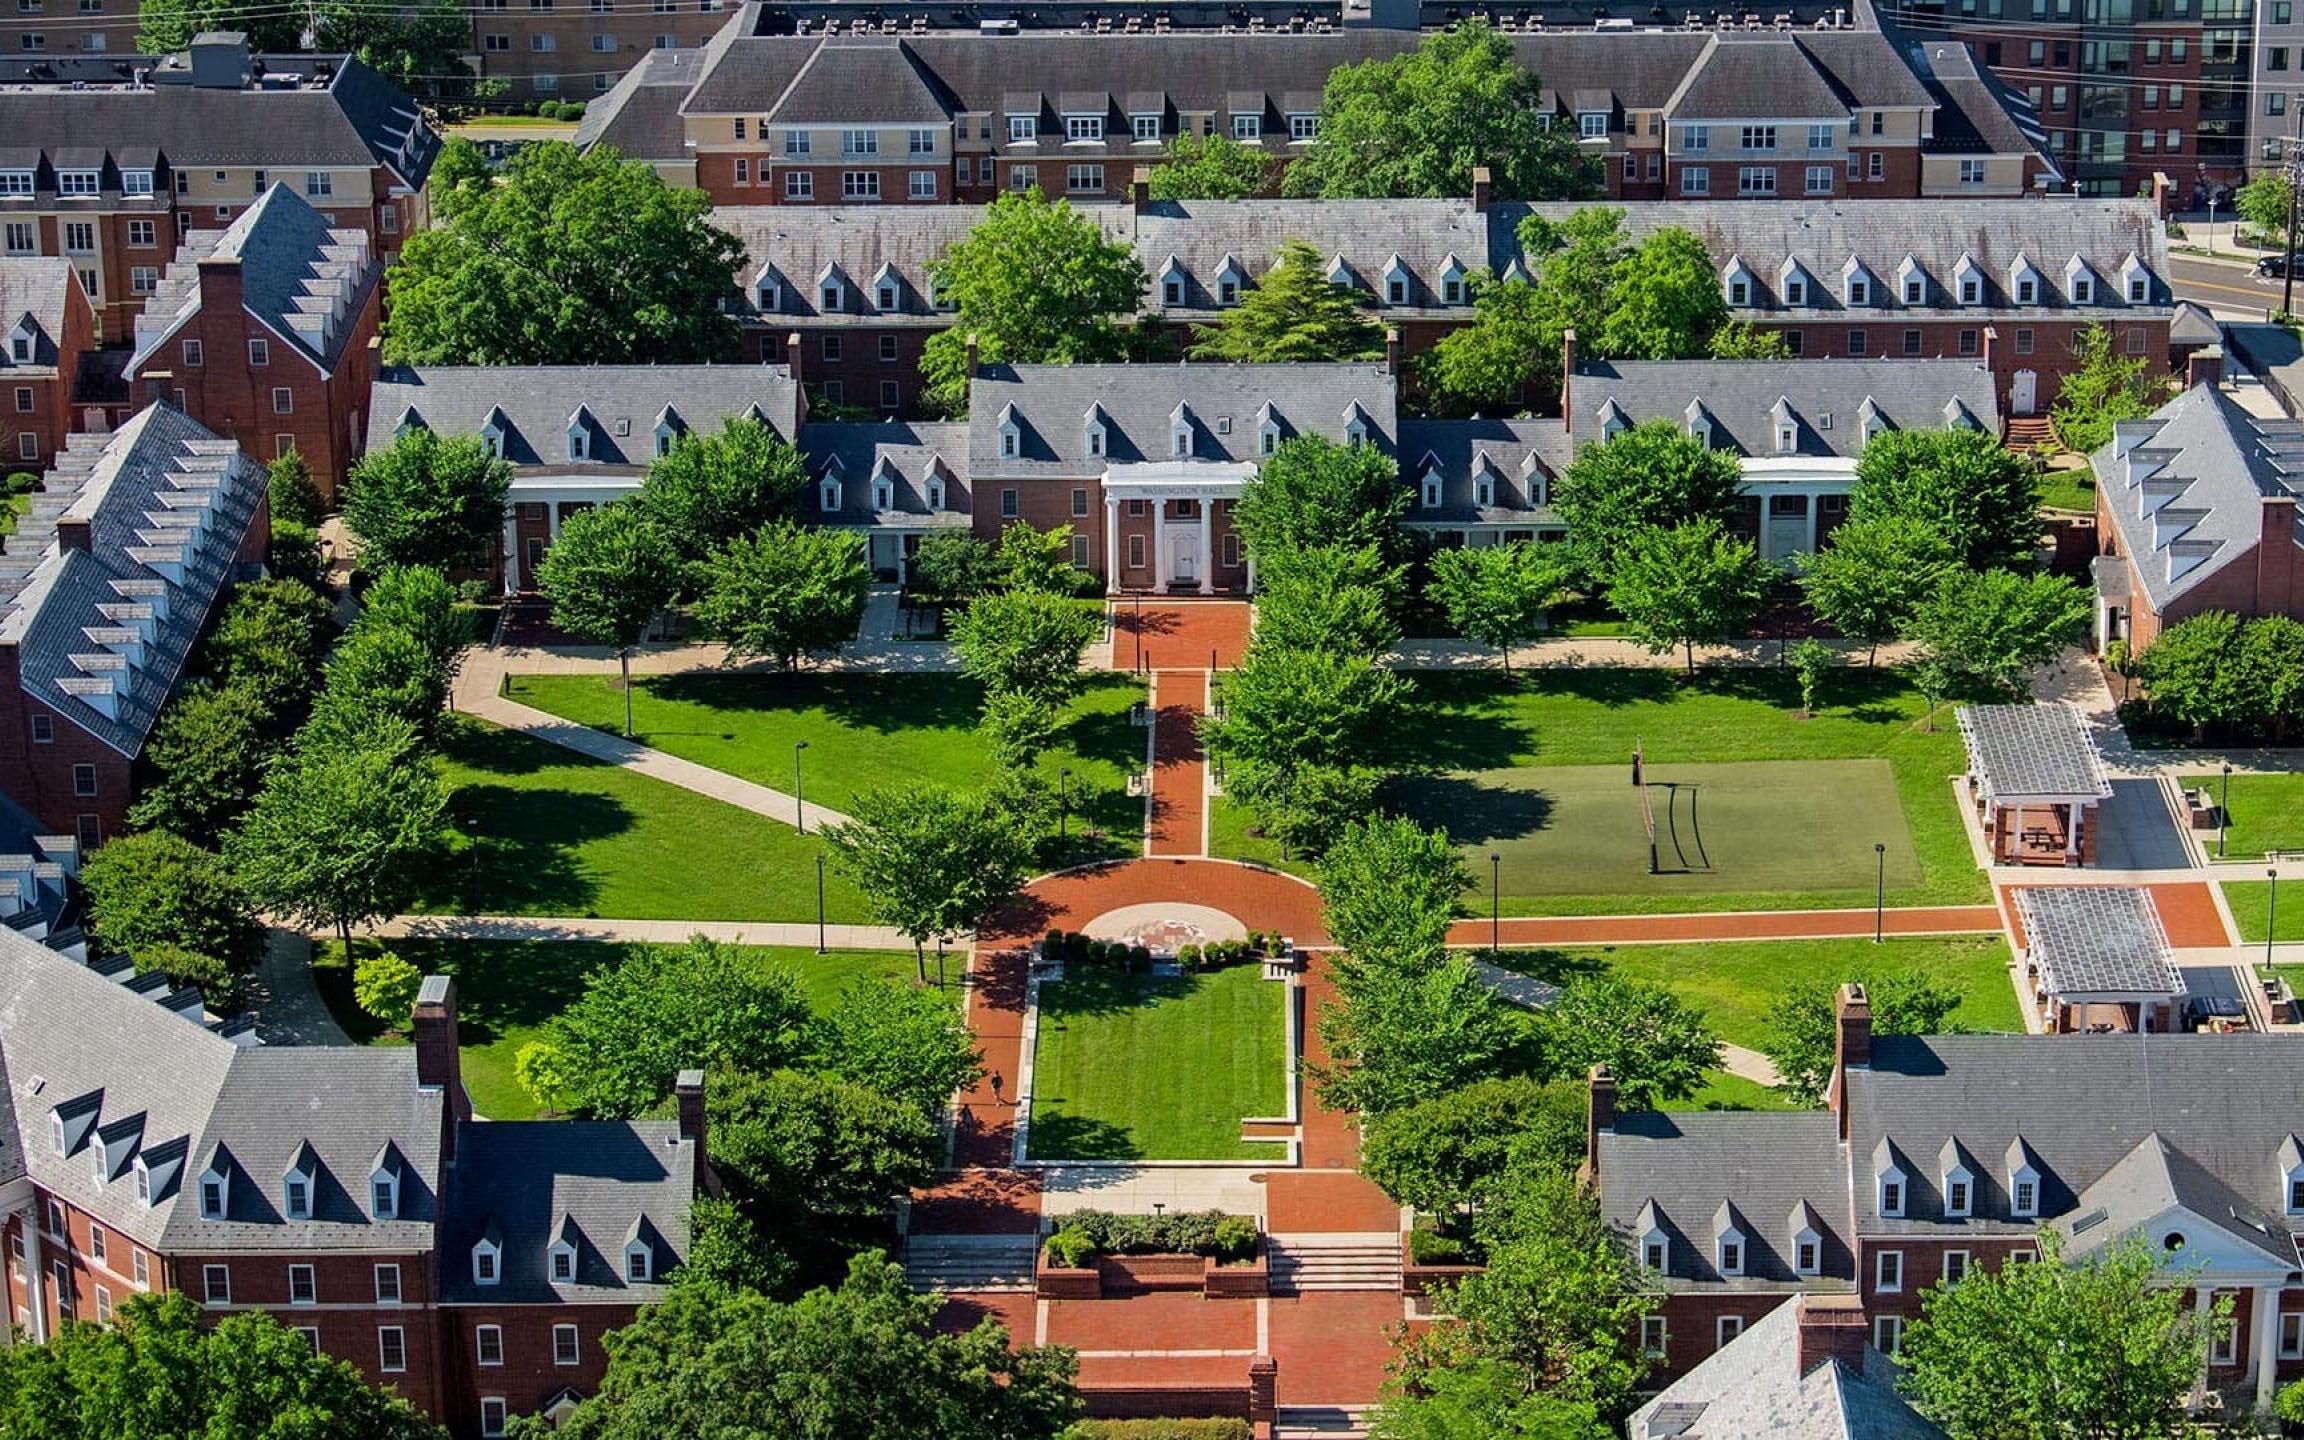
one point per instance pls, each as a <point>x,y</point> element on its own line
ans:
<point>653,932</point>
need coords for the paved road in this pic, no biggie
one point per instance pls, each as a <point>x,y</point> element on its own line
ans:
<point>2227,289</point>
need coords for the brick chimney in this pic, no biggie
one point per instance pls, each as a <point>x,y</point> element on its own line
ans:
<point>1140,189</point>
<point>1483,187</point>
<point>1567,373</point>
<point>1831,1328</point>
<point>2163,189</point>
<point>438,1066</point>
<point>792,355</point>
<point>970,372</point>
<point>1393,349</point>
<point>1851,1044</point>
<point>688,1098</point>
<point>1991,352</point>
<point>2204,366</point>
<point>1599,1115</point>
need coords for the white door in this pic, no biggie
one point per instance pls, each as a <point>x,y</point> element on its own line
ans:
<point>1184,557</point>
<point>1787,527</point>
<point>2024,393</point>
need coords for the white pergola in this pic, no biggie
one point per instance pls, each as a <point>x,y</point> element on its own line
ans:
<point>1160,481</point>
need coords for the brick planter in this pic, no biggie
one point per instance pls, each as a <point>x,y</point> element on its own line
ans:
<point>1418,1279</point>
<point>1115,1275</point>
<point>1062,1282</point>
<point>1152,1272</point>
<point>1249,1281</point>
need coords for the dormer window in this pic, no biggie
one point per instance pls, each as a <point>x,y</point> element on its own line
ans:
<point>769,296</point>
<point>1227,290</point>
<point>935,492</point>
<point>887,296</point>
<point>1613,421</point>
<point>1452,282</point>
<point>1655,1250</point>
<point>1731,1256</point>
<point>1484,488</point>
<point>1858,290</point>
<point>2139,284</point>
<point>639,1263</point>
<point>1740,291</point>
<point>1356,430</point>
<point>1787,438</point>
<point>829,297</point>
<point>1011,434</point>
<point>1891,1193</point>
<point>56,1130</point>
<point>1267,438</point>
<point>215,1194</point>
<point>2080,281</point>
<point>1959,1193</point>
<point>1095,437</point>
<point>1967,282</point>
<point>1794,282</point>
<point>143,1180</point>
<point>1806,1258</point>
<point>2028,291</point>
<point>492,441</point>
<point>2024,1198</point>
<point>20,347</point>
<point>667,436</point>
<point>828,494</point>
<point>296,1201</point>
<point>579,441</point>
<point>2290,1161</point>
<point>883,493</point>
<point>1172,283</point>
<point>384,1184</point>
<point>560,1259</point>
<point>1430,488</point>
<point>487,1262</point>
<point>1180,440</point>
<point>1912,282</point>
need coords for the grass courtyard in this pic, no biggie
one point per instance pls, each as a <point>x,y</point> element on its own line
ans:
<point>2253,908</point>
<point>542,830</point>
<point>861,731</point>
<point>1136,1067</point>
<point>1756,807</point>
<point>2267,812</point>
<point>507,989</point>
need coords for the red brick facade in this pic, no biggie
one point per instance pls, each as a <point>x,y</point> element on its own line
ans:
<point>36,401</point>
<point>2266,579</point>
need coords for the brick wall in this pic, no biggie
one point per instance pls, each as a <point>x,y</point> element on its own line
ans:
<point>529,1376</point>
<point>344,1309</point>
<point>49,416</point>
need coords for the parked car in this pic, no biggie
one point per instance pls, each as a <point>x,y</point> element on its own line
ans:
<point>2272,267</point>
<point>2215,1012</point>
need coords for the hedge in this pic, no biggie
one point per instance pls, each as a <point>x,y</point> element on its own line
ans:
<point>1188,1232</point>
<point>1226,1428</point>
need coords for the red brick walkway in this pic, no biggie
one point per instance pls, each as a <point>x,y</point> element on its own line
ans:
<point>1178,634</point>
<point>1176,824</point>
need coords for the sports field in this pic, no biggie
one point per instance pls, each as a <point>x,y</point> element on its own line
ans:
<point>1730,826</point>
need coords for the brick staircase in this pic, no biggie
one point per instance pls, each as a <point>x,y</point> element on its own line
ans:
<point>2026,431</point>
<point>970,1262</point>
<point>1350,1261</point>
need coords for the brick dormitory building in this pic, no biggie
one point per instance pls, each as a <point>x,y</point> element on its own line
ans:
<point>943,117</point>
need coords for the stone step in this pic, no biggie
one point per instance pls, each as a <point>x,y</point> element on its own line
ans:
<point>1369,1261</point>
<point>970,1262</point>
<point>1319,1422</point>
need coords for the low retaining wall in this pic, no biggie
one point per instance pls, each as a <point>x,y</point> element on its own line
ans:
<point>1136,1274</point>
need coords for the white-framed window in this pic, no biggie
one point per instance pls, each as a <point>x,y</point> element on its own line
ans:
<point>1144,127</point>
<point>216,1284</point>
<point>1731,1255</point>
<point>19,238</point>
<point>391,1349</point>
<point>484,1263</point>
<point>1819,179</point>
<point>283,400</point>
<point>1756,180</point>
<point>1859,290</point>
<point>488,1345</point>
<point>1888,1271</point>
<point>1695,180</point>
<point>1135,552</point>
<point>1971,172</point>
<point>2291,1335</point>
<point>1654,1336</point>
<point>387,1284</point>
<point>1695,137</point>
<point>135,182</point>
<point>1083,127</point>
<point>1022,178</point>
<point>1430,490</point>
<point>1891,1195</point>
<point>859,142</point>
<point>1654,1252</point>
<point>15,182</point>
<point>1820,137</point>
<point>79,237</point>
<point>1955,1266</point>
<point>142,234</point>
<point>103,1305</point>
<point>1888,1333</point>
<point>1247,127</point>
<point>796,142</point>
<point>799,185</point>
<point>921,185</point>
<point>84,786</point>
<point>77,182</point>
<point>1725,1330</point>
<point>1808,1256</point>
<point>1303,128</point>
<point>143,279</point>
<point>140,1269</point>
<point>259,350</point>
<point>565,1349</point>
<point>491,1415</point>
<point>1023,129</point>
<point>303,1287</point>
<point>919,142</point>
<point>1757,137</point>
<point>1592,124</point>
<point>1084,179</point>
<point>96,1242</point>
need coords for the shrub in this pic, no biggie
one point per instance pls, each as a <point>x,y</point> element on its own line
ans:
<point>1070,1248</point>
<point>1435,1247</point>
<point>1188,958</point>
<point>1052,945</point>
<point>296,554</point>
<point>1235,1238</point>
<point>1213,1428</point>
<point>1189,1232</point>
<point>1140,959</point>
<point>22,482</point>
<point>385,986</point>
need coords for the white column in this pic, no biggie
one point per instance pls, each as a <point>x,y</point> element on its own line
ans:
<point>2265,1348</point>
<point>2203,1303</point>
<point>1207,548</point>
<point>1249,557</point>
<point>35,1281</point>
<point>1111,545</point>
<point>1815,503</point>
<point>512,551</point>
<point>552,519</point>
<point>1160,545</point>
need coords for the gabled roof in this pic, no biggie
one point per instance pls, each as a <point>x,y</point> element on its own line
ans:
<point>2186,486</point>
<point>1753,1387</point>
<point>1825,397</point>
<point>534,403</point>
<point>589,1180</point>
<point>36,289</point>
<point>2156,1177</point>
<point>1693,1165</point>
<point>907,452</point>
<point>303,279</point>
<point>639,117</point>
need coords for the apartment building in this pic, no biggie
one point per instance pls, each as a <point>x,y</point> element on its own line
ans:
<point>2012,281</point>
<point>576,49</point>
<point>943,117</point>
<point>46,327</point>
<point>66,29</point>
<point>112,164</point>
<point>262,332</point>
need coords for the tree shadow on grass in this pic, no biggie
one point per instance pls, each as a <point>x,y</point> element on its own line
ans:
<point>1553,967</point>
<point>882,703</point>
<point>512,851</point>
<point>1077,1137</point>
<point>503,985</point>
<point>1473,813</point>
<point>1092,990</point>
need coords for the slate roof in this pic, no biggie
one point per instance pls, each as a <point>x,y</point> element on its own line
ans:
<point>859,81</point>
<point>2079,1105</point>
<point>1734,71</point>
<point>1752,1387</point>
<point>2039,750</point>
<point>640,115</point>
<point>2097,940</point>
<point>101,634</point>
<point>1975,113</point>
<point>1828,402</point>
<point>1368,236</point>
<point>1524,456</point>
<point>2195,324</point>
<point>41,288</point>
<point>2185,487</point>
<point>1680,1168</point>
<point>908,453</point>
<point>524,1182</point>
<point>1052,402</point>
<point>303,279</point>
<point>536,404</point>
<point>2158,1176</point>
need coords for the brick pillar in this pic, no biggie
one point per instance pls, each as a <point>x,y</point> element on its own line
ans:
<point>1851,1044</point>
<point>438,1066</point>
<point>1263,1393</point>
<point>688,1097</point>
<point>1567,378</point>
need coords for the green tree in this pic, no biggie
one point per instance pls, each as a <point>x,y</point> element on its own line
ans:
<point>2264,202</point>
<point>712,489</point>
<point>610,573</point>
<point>1292,714</point>
<point>1982,498</point>
<point>1869,582</point>
<point>2106,387</point>
<point>166,26</point>
<point>727,1250</point>
<point>1025,642</point>
<point>2271,666</point>
<point>1209,167</point>
<point>806,1153</point>
<point>2189,671</point>
<point>427,499</point>
<point>1448,1152</point>
<point>160,1368</point>
<point>421,46</point>
<point>1810,661</point>
<point>266,649</point>
<point>1036,282</point>
<point>542,1072</point>
<point>1017,725</point>
<point>786,592</point>
<point>1488,365</point>
<point>1337,599</point>
<point>1419,123</point>
<point>343,831</point>
<point>1293,315</point>
<point>905,1042</point>
<point>294,498</point>
<point>1664,301</point>
<point>661,1009</point>
<point>953,567</point>
<point>1482,1400</point>
<point>1653,475</point>
<point>1038,560</point>
<point>2050,1349</point>
<point>861,1362</point>
<point>1311,493</point>
<point>385,985</point>
<point>419,600</point>
<point>1656,1044</point>
<point>205,759</point>
<point>1803,1029</point>
<point>558,258</point>
<point>1559,1302</point>
<point>154,891</point>
<point>1497,594</point>
<point>1995,624</point>
<point>1303,807</point>
<point>378,670</point>
<point>1737,340</point>
<point>1389,889</point>
<point>931,861</point>
<point>1693,584</point>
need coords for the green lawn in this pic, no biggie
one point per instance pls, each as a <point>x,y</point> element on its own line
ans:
<point>542,830</point>
<point>1485,754</point>
<point>1157,1068</point>
<point>2068,490</point>
<point>1736,981</point>
<point>2267,812</point>
<point>507,989</point>
<point>2251,899</point>
<point>1723,1091</point>
<point>861,731</point>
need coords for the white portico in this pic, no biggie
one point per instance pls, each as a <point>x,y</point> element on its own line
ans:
<point>558,495</point>
<point>1793,491</point>
<point>1182,554</point>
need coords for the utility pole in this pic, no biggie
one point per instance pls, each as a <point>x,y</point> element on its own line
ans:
<point>2293,167</point>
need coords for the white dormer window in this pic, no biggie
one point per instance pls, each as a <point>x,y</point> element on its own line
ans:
<point>1731,1254</point>
<point>1795,284</point>
<point>1912,282</point>
<point>667,435</point>
<point>1095,437</point>
<point>1011,434</point>
<point>828,494</point>
<point>1740,291</point>
<point>1535,482</point>
<point>384,1196</point>
<point>1180,441</point>
<point>1172,283</point>
<point>1959,1195</point>
<point>2024,1196</point>
<point>487,1262</point>
<point>1613,421</point>
<point>887,296</point>
<point>1396,280</point>
<point>296,1199</point>
<point>883,493</point>
<point>20,346</point>
<point>1356,431</point>
<point>639,1262</point>
<point>492,440</point>
<point>2136,281</point>
<point>1452,282</point>
<point>1267,438</point>
<point>1891,1192</point>
<point>561,1259</point>
<point>1484,489</point>
<point>1227,290</point>
<point>935,492</point>
<point>2028,290</point>
<point>937,299</point>
<point>2290,1160</point>
<point>2079,281</point>
<point>1807,1252</point>
<point>1339,273</point>
<point>1967,282</point>
<point>769,296</point>
<point>831,296</point>
<point>1430,488</point>
<point>1655,1251</point>
<point>1787,438</point>
<point>579,441</point>
<point>1858,290</point>
<point>56,1130</point>
<point>215,1194</point>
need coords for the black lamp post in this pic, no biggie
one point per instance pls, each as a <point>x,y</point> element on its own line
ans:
<point>1879,889</point>
<point>2224,811</point>
<point>819,904</point>
<point>2271,909</point>
<point>1495,905</point>
<point>799,805</point>
<point>1063,802</point>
